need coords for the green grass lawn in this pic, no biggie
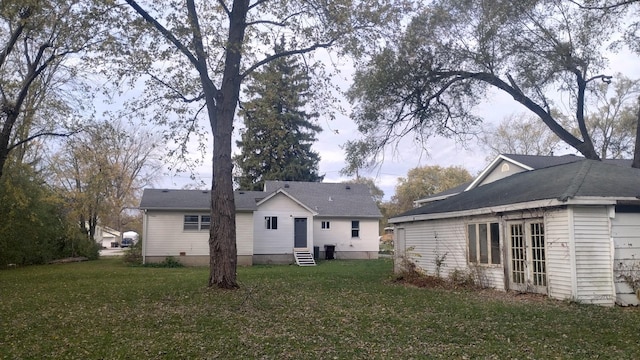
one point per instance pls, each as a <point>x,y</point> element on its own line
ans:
<point>337,310</point>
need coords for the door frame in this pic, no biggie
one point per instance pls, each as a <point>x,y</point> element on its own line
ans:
<point>295,232</point>
<point>531,254</point>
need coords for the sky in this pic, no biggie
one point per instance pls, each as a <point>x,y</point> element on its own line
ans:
<point>407,155</point>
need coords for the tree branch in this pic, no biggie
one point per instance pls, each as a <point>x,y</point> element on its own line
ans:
<point>35,136</point>
<point>166,33</point>
<point>224,7</point>
<point>178,93</point>
<point>605,7</point>
<point>287,53</point>
<point>12,42</point>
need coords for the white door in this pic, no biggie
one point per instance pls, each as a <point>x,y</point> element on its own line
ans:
<point>527,258</point>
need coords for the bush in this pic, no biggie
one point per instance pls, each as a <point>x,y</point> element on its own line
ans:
<point>35,228</point>
<point>168,262</point>
<point>133,255</point>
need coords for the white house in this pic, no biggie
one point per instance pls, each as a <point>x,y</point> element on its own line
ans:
<point>106,236</point>
<point>562,226</point>
<point>287,217</point>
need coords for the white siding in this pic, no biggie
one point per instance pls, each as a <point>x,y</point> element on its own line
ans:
<point>426,240</point>
<point>280,240</point>
<point>558,255</point>
<point>626,239</point>
<point>339,234</point>
<point>594,258</point>
<point>244,233</point>
<point>165,235</point>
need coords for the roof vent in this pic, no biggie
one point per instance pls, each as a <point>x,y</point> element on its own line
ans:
<point>286,186</point>
<point>205,192</point>
<point>165,191</point>
<point>241,192</point>
<point>330,198</point>
<point>348,187</point>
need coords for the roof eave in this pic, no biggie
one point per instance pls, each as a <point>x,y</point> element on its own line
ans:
<point>582,200</point>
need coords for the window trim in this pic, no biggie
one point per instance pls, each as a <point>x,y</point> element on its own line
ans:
<point>355,229</point>
<point>325,225</point>
<point>271,222</point>
<point>486,236</point>
<point>197,225</point>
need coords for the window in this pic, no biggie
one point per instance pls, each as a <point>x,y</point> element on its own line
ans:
<point>326,225</point>
<point>191,222</point>
<point>271,222</point>
<point>483,240</point>
<point>197,222</point>
<point>205,222</point>
<point>355,228</point>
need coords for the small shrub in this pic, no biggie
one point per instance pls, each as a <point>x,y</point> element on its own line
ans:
<point>461,278</point>
<point>168,262</point>
<point>133,256</point>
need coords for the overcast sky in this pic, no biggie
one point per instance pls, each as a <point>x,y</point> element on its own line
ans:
<point>397,162</point>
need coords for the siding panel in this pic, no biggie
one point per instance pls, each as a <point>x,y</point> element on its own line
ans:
<point>559,270</point>
<point>626,240</point>
<point>428,240</point>
<point>593,252</point>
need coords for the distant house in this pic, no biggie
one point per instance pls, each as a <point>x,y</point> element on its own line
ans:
<point>106,236</point>
<point>273,225</point>
<point>563,226</point>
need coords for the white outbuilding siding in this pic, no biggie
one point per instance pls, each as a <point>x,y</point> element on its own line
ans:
<point>560,255</point>
<point>594,257</point>
<point>626,238</point>
<point>444,241</point>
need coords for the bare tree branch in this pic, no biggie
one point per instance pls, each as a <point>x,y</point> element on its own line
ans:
<point>287,53</point>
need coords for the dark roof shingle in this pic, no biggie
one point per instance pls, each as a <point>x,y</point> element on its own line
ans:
<point>326,199</point>
<point>575,179</point>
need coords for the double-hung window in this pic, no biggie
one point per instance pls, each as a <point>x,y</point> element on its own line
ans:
<point>196,222</point>
<point>326,225</point>
<point>271,222</point>
<point>205,222</point>
<point>483,240</point>
<point>355,228</point>
<point>191,222</point>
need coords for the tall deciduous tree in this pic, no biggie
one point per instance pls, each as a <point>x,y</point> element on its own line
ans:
<point>39,64</point>
<point>519,134</point>
<point>613,119</point>
<point>428,81</point>
<point>220,44</point>
<point>102,172</point>
<point>276,141</point>
<point>424,181</point>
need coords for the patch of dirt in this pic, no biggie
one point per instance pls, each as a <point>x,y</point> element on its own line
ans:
<point>434,282</point>
<point>69,260</point>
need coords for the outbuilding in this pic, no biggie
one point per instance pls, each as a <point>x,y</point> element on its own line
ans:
<point>568,228</point>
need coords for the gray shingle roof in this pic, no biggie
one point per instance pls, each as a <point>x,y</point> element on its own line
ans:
<point>330,199</point>
<point>170,199</point>
<point>575,179</point>
<point>326,199</point>
<point>541,162</point>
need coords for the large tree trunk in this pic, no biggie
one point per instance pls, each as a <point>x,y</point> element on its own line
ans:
<point>636,150</point>
<point>222,240</point>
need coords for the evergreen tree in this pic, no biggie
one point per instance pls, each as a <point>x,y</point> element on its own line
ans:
<point>276,142</point>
